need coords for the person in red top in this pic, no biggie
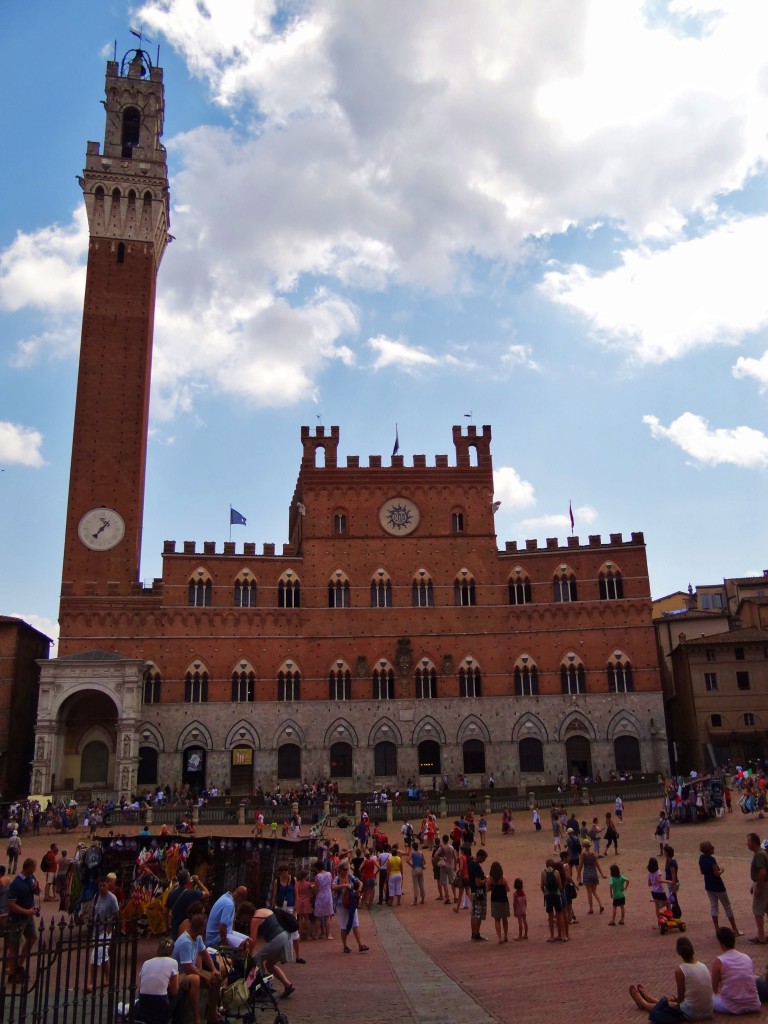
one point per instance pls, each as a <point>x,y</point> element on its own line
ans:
<point>368,871</point>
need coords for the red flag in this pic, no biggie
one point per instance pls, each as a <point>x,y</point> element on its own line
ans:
<point>570,513</point>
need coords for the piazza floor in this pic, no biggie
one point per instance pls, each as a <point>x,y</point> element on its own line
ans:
<point>422,967</point>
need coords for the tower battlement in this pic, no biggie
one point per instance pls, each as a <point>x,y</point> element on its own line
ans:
<point>328,443</point>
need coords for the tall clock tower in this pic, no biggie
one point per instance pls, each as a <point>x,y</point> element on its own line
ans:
<point>125,188</point>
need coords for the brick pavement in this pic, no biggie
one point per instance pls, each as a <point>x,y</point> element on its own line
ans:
<point>422,966</point>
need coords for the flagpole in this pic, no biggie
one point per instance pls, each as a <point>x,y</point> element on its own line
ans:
<point>230,523</point>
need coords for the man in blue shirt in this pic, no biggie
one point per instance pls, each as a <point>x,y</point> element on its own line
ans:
<point>22,914</point>
<point>220,928</point>
<point>197,969</point>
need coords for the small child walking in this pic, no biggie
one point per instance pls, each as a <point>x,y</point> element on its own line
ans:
<point>618,886</point>
<point>519,909</point>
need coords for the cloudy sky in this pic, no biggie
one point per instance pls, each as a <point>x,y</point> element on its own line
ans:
<point>546,215</point>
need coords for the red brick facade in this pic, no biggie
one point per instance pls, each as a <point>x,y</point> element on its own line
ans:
<point>390,619</point>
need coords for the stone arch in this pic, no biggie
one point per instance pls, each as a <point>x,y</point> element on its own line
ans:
<point>58,700</point>
<point>576,722</point>
<point>467,732</point>
<point>99,734</point>
<point>623,723</point>
<point>150,736</point>
<point>428,729</point>
<point>377,734</point>
<point>203,738</point>
<point>348,734</point>
<point>521,731</point>
<point>234,739</point>
<point>289,731</point>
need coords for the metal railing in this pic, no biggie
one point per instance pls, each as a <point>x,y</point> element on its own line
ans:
<point>53,983</point>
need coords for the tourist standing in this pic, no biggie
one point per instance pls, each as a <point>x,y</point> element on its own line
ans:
<point>714,886</point>
<point>758,873</point>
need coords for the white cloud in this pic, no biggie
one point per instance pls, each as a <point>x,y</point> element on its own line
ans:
<point>757,369</point>
<point>661,304</point>
<point>20,445</point>
<point>583,516</point>
<point>511,490</point>
<point>50,627</point>
<point>519,355</point>
<point>738,446</point>
<point>396,352</point>
<point>46,269</point>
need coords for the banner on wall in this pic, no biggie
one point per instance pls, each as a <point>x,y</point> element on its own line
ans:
<point>194,760</point>
<point>242,755</point>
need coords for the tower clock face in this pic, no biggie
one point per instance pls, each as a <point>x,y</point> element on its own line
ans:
<point>399,516</point>
<point>101,529</point>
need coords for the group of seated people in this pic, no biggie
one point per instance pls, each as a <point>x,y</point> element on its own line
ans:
<point>191,960</point>
<point>728,985</point>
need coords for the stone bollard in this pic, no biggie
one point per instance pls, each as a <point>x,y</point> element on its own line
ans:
<point>531,799</point>
<point>195,813</point>
<point>390,811</point>
<point>326,808</point>
<point>585,794</point>
<point>443,807</point>
<point>241,814</point>
<point>358,811</point>
<point>487,805</point>
<point>149,817</point>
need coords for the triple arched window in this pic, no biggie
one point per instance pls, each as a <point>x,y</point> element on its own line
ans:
<point>519,588</point>
<point>338,591</point>
<point>619,672</point>
<point>244,686</point>
<point>200,590</point>
<point>245,591</point>
<point>470,680</point>
<point>288,590</point>
<point>464,589</point>
<point>526,677</point>
<point>610,583</point>
<point>152,681</point>
<point>340,683</point>
<point>564,585</point>
<point>426,681</point>
<point>384,681</point>
<point>381,590</point>
<point>196,685</point>
<point>572,678</point>
<point>288,683</point>
<point>422,592</point>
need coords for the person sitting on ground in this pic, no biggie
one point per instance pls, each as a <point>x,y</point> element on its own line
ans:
<point>733,980</point>
<point>197,969</point>
<point>158,986</point>
<point>694,998</point>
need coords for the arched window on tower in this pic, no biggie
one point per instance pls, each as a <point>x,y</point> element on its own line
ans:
<point>383,681</point>
<point>519,587</point>
<point>152,681</point>
<point>526,677</point>
<point>464,589</point>
<point>426,680</point>
<point>245,590</point>
<point>564,585</point>
<point>340,682</point>
<point>610,583</point>
<point>289,590</point>
<point>619,672</point>
<point>338,590</point>
<point>422,595</point>
<point>200,590</point>
<point>572,678</point>
<point>129,136</point>
<point>381,590</point>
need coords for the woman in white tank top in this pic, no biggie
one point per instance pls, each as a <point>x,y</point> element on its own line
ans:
<point>693,1000</point>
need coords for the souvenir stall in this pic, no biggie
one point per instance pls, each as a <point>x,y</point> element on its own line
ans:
<point>145,868</point>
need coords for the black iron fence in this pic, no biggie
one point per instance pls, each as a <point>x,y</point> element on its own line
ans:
<point>73,974</point>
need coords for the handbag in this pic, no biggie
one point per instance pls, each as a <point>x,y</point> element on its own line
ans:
<point>234,998</point>
<point>571,890</point>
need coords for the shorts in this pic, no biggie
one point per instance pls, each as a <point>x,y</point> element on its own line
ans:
<point>369,883</point>
<point>446,875</point>
<point>760,903</point>
<point>553,902</point>
<point>479,906</point>
<point>26,928</point>
<point>722,899</point>
<point>619,901</point>
<point>100,951</point>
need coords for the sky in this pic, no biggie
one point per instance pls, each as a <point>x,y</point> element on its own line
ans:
<point>546,216</point>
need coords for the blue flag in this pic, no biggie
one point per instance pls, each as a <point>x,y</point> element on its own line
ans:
<point>396,449</point>
<point>235,518</point>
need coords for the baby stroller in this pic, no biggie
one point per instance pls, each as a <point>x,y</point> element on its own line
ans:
<point>251,993</point>
<point>671,916</point>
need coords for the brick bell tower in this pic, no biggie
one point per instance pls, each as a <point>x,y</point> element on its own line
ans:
<point>125,188</point>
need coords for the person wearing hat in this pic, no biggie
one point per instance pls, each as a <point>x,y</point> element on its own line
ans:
<point>14,849</point>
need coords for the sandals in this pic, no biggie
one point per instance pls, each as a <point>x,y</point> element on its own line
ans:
<point>362,949</point>
<point>288,990</point>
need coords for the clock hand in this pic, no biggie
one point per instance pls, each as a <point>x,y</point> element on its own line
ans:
<point>104,524</point>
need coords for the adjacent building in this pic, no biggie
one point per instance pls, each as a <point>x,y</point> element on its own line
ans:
<point>22,647</point>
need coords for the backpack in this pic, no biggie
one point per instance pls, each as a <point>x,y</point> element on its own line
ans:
<point>551,883</point>
<point>48,862</point>
<point>660,829</point>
